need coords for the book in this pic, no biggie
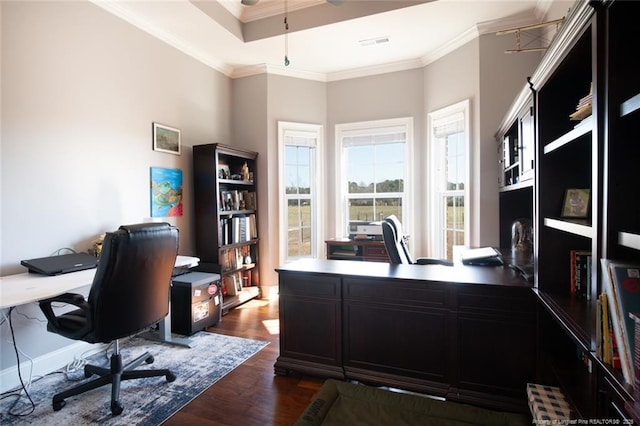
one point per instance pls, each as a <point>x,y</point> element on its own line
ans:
<point>599,330</point>
<point>581,273</point>
<point>635,316</point>
<point>622,285</point>
<point>576,258</point>
<point>607,350</point>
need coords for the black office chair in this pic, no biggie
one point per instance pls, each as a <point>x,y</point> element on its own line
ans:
<point>130,292</point>
<point>396,245</point>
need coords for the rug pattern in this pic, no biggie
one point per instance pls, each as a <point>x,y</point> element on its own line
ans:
<point>148,401</point>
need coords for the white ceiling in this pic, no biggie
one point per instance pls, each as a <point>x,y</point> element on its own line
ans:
<point>323,38</point>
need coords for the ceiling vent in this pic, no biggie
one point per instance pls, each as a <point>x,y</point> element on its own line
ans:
<point>373,41</point>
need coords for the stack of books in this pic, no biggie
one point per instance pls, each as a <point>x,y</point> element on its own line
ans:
<point>548,404</point>
<point>620,283</point>
<point>584,107</point>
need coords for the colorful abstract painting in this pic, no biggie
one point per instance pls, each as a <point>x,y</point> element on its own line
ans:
<point>166,192</point>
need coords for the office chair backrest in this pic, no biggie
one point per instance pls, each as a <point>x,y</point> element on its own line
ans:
<point>394,241</point>
<point>130,290</point>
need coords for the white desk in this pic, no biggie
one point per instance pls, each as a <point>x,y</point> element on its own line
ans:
<point>28,287</point>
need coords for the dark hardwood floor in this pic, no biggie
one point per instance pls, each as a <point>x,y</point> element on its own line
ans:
<point>251,394</point>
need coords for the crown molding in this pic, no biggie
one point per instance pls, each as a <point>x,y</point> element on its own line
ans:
<point>248,71</point>
<point>375,69</point>
<point>464,38</point>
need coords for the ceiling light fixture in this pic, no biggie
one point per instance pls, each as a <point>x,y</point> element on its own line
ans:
<point>372,41</point>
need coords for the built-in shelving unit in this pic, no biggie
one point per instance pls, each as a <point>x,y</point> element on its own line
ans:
<point>589,59</point>
<point>516,148</point>
<point>226,219</point>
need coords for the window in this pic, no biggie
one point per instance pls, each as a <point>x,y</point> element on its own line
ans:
<point>299,226</point>
<point>450,178</point>
<point>374,176</point>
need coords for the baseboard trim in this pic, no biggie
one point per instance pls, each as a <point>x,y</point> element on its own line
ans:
<point>44,364</point>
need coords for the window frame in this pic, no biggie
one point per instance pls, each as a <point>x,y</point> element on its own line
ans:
<point>434,197</point>
<point>341,183</point>
<point>307,130</point>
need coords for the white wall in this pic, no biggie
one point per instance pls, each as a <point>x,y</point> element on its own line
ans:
<point>259,103</point>
<point>80,90</point>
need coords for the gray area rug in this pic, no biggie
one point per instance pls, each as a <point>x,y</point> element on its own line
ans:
<point>148,401</point>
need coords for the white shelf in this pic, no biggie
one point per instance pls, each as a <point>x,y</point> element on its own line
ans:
<point>630,105</point>
<point>571,227</point>
<point>630,240</point>
<point>582,129</point>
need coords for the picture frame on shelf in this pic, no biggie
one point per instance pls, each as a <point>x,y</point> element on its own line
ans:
<point>166,139</point>
<point>576,203</point>
<point>224,171</point>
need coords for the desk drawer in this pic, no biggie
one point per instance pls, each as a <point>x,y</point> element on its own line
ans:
<point>494,299</point>
<point>303,284</point>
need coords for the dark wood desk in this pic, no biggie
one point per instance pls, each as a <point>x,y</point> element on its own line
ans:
<point>465,333</point>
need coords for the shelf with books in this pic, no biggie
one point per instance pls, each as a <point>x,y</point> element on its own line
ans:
<point>227,241</point>
<point>620,284</point>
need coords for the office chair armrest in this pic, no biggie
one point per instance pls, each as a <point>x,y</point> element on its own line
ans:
<point>68,298</point>
<point>433,261</point>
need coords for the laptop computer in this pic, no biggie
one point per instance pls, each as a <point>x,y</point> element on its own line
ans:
<point>484,256</point>
<point>62,264</point>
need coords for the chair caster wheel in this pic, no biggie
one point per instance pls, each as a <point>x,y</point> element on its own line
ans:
<point>170,377</point>
<point>58,404</point>
<point>149,359</point>
<point>116,408</point>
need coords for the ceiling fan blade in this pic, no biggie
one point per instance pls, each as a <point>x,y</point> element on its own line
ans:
<point>249,2</point>
<point>335,2</point>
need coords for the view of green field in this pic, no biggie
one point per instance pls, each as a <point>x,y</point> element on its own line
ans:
<point>300,236</point>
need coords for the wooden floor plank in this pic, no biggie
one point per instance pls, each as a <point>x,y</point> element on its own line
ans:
<point>251,394</point>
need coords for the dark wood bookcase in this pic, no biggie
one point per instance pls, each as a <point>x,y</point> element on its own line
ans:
<point>226,217</point>
<point>593,51</point>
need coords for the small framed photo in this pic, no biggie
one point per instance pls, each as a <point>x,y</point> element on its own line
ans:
<point>166,139</point>
<point>223,171</point>
<point>576,203</point>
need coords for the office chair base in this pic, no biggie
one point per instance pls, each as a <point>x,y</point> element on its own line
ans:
<point>114,375</point>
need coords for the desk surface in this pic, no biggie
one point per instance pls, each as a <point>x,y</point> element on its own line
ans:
<point>488,275</point>
<point>29,287</point>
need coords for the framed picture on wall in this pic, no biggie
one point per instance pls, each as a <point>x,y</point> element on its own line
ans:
<point>166,192</point>
<point>166,139</point>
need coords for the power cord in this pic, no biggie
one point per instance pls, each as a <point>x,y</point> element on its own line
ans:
<point>63,249</point>
<point>24,388</point>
